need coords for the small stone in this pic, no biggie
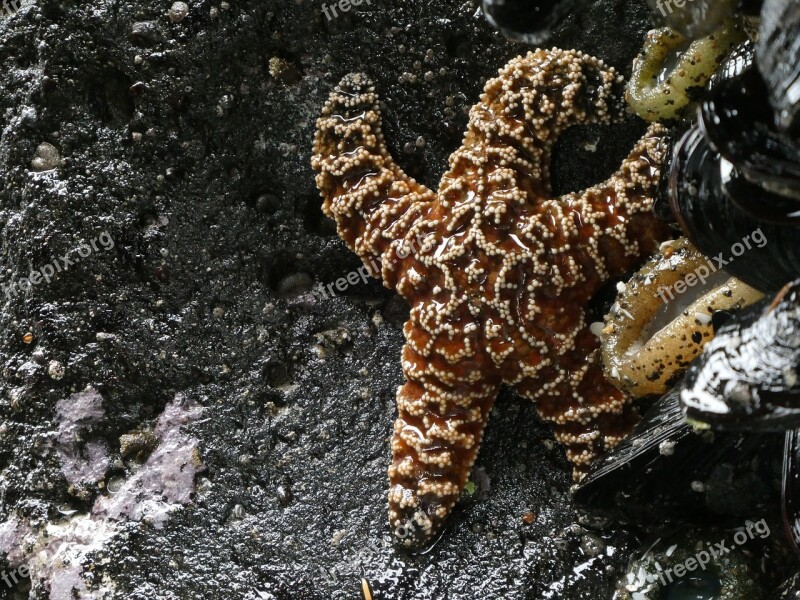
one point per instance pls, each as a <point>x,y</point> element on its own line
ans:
<point>702,318</point>
<point>592,545</point>
<point>138,443</point>
<point>178,12</point>
<point>66,509</point>
<point>16,395</point>
<point>284,495</point>
<point>267,203</point>
<point>282,70</point>
<point>667,245</point>
<point>294,285</point>
<point>144,34</point>
<point>115,484</point>
<point>666,448</point>
<point>55,370</point>
<point>47,157</point>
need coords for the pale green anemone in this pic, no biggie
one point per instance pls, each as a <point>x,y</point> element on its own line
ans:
<point>669,66</point>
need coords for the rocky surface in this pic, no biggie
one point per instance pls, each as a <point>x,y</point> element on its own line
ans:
<point>173,144</point>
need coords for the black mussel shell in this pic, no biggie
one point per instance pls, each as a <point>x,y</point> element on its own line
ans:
<point>768,206</point>
<point>738,123</point>
<point>778,58</point>
<point>789,589</point>
<point>661,205</point>
<point>529,21</point>
<point>739,59</point>
<point>665,470</point>
<point>748,376</point>
<point>791,490</point>
<point>762,254</point>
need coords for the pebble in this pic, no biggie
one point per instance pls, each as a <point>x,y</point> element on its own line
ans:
<point>592,545</point>
<point>666,448</point>
<point>178,12</point>
<point>294,285</point>
<point>55,370</point>
<point>144,34</point>
<point>47,157</point>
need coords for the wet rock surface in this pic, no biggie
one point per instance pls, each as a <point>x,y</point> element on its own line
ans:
<point>173,141</point>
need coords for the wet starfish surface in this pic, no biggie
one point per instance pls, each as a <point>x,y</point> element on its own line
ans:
<point>497,271</point>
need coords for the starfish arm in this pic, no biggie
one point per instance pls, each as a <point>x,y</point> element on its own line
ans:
<point>622,207</point>
<point>442,411</point>
<point>505,157</point>
<point>609,227</point>
<point>373,202</point>
<point>587,413</point>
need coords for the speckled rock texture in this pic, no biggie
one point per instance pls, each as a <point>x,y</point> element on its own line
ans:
<point>189,348</point>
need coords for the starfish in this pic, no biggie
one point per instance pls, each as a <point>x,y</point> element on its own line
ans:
<point>497,271</point>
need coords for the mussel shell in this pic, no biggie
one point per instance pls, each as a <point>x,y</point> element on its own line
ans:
<point>715,224</point>
<point>666,471</point>
<point>528,21</point>
<point>748,376</point>
<point>789,590</point>
<point>791,490</point>
<point>778,57</point>
<point>661,203</point>
<point>738,123</point>
<point>757,201</point>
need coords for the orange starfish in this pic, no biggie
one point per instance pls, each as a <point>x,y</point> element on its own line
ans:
<point>497,271</point>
